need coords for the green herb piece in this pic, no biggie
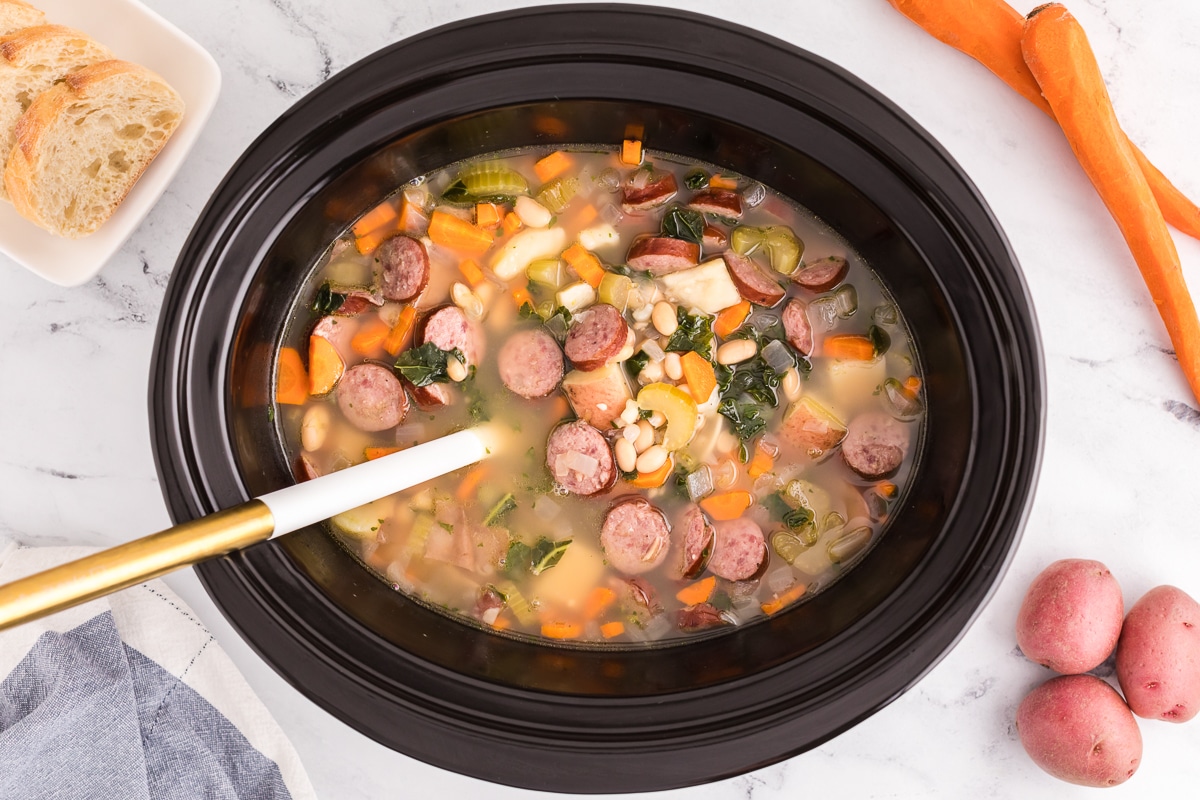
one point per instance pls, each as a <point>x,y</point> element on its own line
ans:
<point>327,300</point>
<point>879,339</point>
<point>476,406</point>
<point>754,378</point>
<point>683,223</point>
<point>559,323</point>
<point>426,364</point>
<point>518,559</point>
<point>457,194</point>
<point>636,363</point>
<point>694,334</point>
<point>448,527</point>
<point>696,179</point>
<point>797,518</point>
<point>527,311</point>
<point>502,507</point>
<point>746,418</point>
<point>629,476</point>
<point>547,553</point>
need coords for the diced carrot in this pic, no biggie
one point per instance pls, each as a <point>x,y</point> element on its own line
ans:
<point>728,505</point>
<point>325,365</point>
<point>652,480</point>
<point>561,630</point>
<point>600,598</point>
<point>586,265</point>
<point>397,338</point>
<point>378,217</point>
<point>849,347</point>
<point>610,629</point>
<point>888,489</point>
<point>447,230</point>
<point>500,623</point>
<point>552,166</point>
<point>470,482</point>
<point>786,599</point>
<point>698,592</point>
<point>370,337</point>
<point>912,384</point>
<point>631,152</point>
<point>471,271</point>
<point>521,296</point>
<point>291,384</point>
<point>586,215</point>
<point>700,376</point>
<point>721,182</point>
<point>731,319</point>
<point>487,215</point>
<point>511,224</point>
<point>412,218</point>
<point>373,453</point>
<point>762,463</point>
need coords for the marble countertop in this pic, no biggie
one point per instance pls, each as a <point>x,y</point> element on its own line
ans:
<point>1120,476</point>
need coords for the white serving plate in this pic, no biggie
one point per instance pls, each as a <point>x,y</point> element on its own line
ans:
<point>134,33</point>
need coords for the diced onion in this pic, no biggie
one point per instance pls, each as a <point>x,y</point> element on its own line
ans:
<point>576,461</point>
<point>777,356</point>
<point>654,350</point>
<point>780,579</point>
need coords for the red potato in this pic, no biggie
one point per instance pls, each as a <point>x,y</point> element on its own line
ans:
<point>1071,617</point>
<point>1158,656</point>
<point>1078,729</point>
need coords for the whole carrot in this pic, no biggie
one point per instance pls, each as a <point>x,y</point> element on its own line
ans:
<point>990,32</point>
<point>1060,58</point>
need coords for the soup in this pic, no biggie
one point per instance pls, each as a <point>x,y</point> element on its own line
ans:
<point>709,404</point>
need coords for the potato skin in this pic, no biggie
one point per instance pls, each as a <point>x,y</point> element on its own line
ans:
<point>1078,729</point>
<point>1070,619</point>
<point>1158,657</point>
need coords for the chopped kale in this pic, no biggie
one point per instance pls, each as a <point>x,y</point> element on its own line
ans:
<point>694,334</point>
<point>502,507</point>
<point>746,418</point>
<point>426,364</point>
<point>327,300</point>
<point>880,339</point>
<point>683,223</point>
<point>521,558</point>
<point>696,179</point>
<point>636,363</point>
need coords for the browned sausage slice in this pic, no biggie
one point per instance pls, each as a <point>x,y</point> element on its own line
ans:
<point>635,536</point>
<point>662,255</point>
<point>597,335</point>
<point>875,445</point>
<point>530,363</point>
<point>405,265</point>
<point>308,469</point>
<point>448,328</point>
<point>822,274</point>
<point>699,617</point>
<point>697,542</point>
<point>655,193</point>
<point>371,398</point>
<point>797,327</point>
<point>580,459</point>
<point>738,551</point>
<point>431,397</point>
<point>721,202</point>
<point>714,238</point>
<point>357,301</point>
<point>752,281</point>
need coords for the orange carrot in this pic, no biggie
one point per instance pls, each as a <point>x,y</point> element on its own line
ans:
<point>1057,52</point>
<point>552,166</point>
<point>912,384</point>
<point>370,337</point>
<point>849,347</point>
<point>412,218</point>
<point>471,271</point>
<point>325,366</point>
<point>561,630</point>
<point>700,376</point>
<point>521,296</point>
<point>786,599</point>
<point>652,480</point>
<point>600,598</point>
<point>698,592</point>
<point>380,216</point>
<point>888,489</point>
<point>291,384</point>
<point>631,152</point>
<point>731,319</point>
<point>511,224</point>
<point>728,505</point>
<point>487,215</point>
<point>721,182</point>
<point>762,463</point>
<point>367,244</point>
<point>397,338</point>
<point>610,629</point>
<point>500,623</point>
<point>447,230</point>
<point>586,215</point>
<point>372,453</point>
<point>586,265</point>
<point>990,32</point>
<point>470,482</point>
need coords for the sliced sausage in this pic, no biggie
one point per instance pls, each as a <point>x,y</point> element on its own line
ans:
<point>796,326</point>
<point>431,397</point>
<point>752,281</point>
<point>635,536</point>
<point>530,363</point>
<point>597,335</point>
<point>822,274</point>
<point>405,265</point>
<point>662,255</point>
<point>714,238</point>
<point>739,550</point>
<point>721,202</point>
<point>598,396</point>
<point>699,617</point>
<point>448,328</point>
<point>655,193</point>
<point>357,301</point>
<point>875,445</point>
<point>580,459</point>
<point>308,469</point>
<point>696,545</point>
<point>371,398</point>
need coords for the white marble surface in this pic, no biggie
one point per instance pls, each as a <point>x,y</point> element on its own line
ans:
<point>1122,460</point>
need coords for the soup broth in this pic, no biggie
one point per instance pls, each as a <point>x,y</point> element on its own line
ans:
<point>708,403</point>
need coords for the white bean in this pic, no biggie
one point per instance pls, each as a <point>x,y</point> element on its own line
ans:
<point>736,352</point>
<point>532,213</point>
<point>652,459</point>
<point>467,300</point>
<point>645,436</point>
<point>456,370</point>
<point>314,427</point>
<point>673,366</point>
<point>791,384</point>
<point>656,419</point>
<point>664,318</point>
<point>626,455</point>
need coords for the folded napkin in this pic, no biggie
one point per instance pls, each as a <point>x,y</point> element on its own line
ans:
<point>130,697</point>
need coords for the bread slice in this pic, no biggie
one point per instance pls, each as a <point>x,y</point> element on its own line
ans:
<point>15,15</point>
<point>82,145</point>
<point>31,61</point>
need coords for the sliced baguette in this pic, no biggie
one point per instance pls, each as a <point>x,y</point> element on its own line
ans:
<point>31,61</point>
<point>82,145</point>
<point>15,15</point>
